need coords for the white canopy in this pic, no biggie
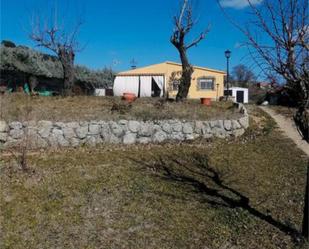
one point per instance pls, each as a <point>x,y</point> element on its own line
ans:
<point>127,84</point>
<point>142,86</point>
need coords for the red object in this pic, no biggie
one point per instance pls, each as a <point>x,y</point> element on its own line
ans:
<point>206,101</point>
<point>129,97</point>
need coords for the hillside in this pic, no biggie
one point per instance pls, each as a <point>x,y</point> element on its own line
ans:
<point>21,59</point>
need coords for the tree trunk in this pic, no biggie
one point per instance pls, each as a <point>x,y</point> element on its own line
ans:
<point>33,82</point>
<point>187,71</point>
<point>305,230</point>
<point>302,115</point>
<point>67,60</point>
<point>68,79</point>
<point>302,122</point>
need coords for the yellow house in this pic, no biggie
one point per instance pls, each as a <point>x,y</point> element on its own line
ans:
<point>163,80</point>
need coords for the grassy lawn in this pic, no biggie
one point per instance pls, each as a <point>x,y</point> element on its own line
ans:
<point>245,192</point>
<point>15,107</point>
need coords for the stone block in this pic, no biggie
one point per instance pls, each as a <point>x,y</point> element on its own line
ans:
<point>16,125</point>
<point>228,125</point>
<point>143,140</point>
<point>159,137</point>
<point>235,125</point>
<point>82,132</point>
<point>3,137</point>
<point>72,125</point>
<point>178,136</point>
<point>166,127</point>
<point>187,128</point>
<point>244,122</point>
<point>16,133</point>
<point>94,129</point>
<point>129,138</point>
<point>199,127</point>
<point>145,130</point>
<point>134,126</point>
<point>59,125</point>
<point>116,129</point>
<point>4,126</point>
<point>90,141</point>
<point>177,126</point>
<point>68,133</point>
<point>74,142</point>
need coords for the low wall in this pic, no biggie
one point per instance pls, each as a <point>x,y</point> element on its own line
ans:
<point>44,134</point>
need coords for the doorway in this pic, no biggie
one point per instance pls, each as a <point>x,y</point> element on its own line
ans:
<point>240,96</point>
<point>155,89</point>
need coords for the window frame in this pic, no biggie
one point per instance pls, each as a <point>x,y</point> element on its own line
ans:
<point>213,88</point>
<point>174,83</point>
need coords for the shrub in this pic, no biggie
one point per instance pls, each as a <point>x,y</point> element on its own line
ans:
<point>8,44</point>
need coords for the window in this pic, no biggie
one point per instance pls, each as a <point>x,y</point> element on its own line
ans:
<point>175,85</point>
<point>206,83</point>
<point>228,93</point>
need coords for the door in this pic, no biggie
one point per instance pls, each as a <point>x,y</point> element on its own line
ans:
<point>240,96</point>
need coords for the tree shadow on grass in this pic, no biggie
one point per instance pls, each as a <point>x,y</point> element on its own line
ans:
<point>195,173</point>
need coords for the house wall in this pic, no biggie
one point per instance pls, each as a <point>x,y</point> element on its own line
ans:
<point>173,71</point>
<point>194,91</point>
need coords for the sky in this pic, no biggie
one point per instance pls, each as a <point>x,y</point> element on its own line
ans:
<point>116,31</point>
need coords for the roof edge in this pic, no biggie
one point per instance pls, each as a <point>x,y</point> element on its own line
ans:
<point>132,71</point>
<point>197,67</point>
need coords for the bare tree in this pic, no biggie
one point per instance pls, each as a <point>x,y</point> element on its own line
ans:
<point>64,44</point>
<point>183,24</point>
<point>242,76</point>
<point>278,40</point>
<point>284,49</point>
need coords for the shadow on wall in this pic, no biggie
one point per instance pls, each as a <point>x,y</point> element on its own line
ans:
<point>198,176</point>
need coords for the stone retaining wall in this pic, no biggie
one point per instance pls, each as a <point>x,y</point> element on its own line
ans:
<point>44,134</point>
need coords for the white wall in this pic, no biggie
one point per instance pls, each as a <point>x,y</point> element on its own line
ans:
<point>245,90</point>
<point>99,92</point>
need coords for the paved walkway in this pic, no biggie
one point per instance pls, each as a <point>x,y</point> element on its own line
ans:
<point>289,128</point>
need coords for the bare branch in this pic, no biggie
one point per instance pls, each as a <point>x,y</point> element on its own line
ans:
<point>198,39</point>
<point>64,44</point>
<point>284,49</point>
<point>184,22</point>
<point>183,9</point>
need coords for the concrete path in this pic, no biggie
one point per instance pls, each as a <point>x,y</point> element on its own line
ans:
<point>289,128</point>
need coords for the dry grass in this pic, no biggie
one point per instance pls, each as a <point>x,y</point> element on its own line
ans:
<point>108,108</point>
<point>129,197</point>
